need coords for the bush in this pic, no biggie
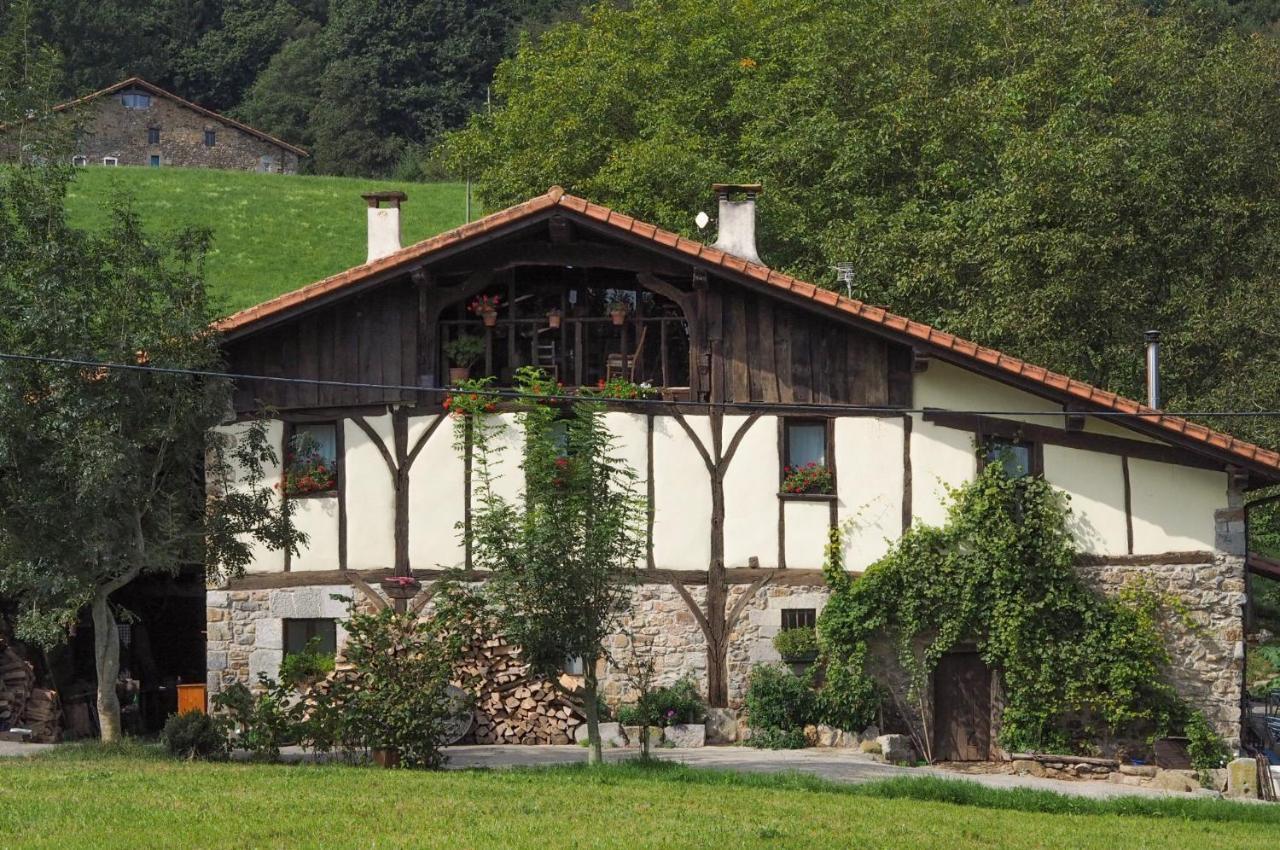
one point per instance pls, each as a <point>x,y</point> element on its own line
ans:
<point>779,705</point>
<point>848,699</point>
<point>796,644</point>
<point>195,735</point>
<point>263,722</point>
<point>1205,747</point>
<point>674,704</point>
<point>301,668</point>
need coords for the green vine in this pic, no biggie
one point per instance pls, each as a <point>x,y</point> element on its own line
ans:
<point>1078,669</point>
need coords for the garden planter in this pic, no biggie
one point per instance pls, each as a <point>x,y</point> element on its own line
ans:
<point>686,735</point>
<point>386,757</point>
<point>458,374</point>
<point>489,317</point>
<point>619,316</point>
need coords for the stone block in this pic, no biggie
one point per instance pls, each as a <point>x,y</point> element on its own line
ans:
<point>270,634</point>
<point>1028,767</point>
<point>827,735</point>
<point>686,735</point>
<point>216,660</point>
<point>721,726</point>
<point>1242,778</point>
<point>611,735</point>
<point>1175,780</point>
<point>264,661</point>
<point>1146,770</point>
<point>633,735</point>
<point>215,599</point>
<point>896,749</point>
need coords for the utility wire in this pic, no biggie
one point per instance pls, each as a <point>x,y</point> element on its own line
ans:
<point>515,394</point>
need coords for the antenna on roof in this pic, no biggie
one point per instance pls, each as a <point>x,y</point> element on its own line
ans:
<point>844,274</point>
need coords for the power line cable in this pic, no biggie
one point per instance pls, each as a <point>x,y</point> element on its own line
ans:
<point>515,394</point>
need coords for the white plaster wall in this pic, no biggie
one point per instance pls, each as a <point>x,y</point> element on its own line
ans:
<point>370,496</point>
<point>631,436</point>
<point>869,483</point>
<point>436,503</point>
<point>952,388</point>
<point>1173,506</point>
<point>318,517</point>
<point>940,458</point>
<point>751,494</point>
<point>682,495</point>
<point>1094,425</point>
<point>807,526</point>
<point>264,559</point>
<point>1095,483</point>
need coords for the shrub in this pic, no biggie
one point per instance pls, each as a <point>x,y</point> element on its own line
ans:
<point>674,704</point>
<point>848,699</point>
<point>778,702</point>
<point>263,722</point>
<point>195,735</point>
<point>1205,747</point>
<point>799,644</point>
<point>300,668</point>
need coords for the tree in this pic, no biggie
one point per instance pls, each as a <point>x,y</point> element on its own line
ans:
<point>101,475</point>
<point>563,557</point>
<point>1048,178</point>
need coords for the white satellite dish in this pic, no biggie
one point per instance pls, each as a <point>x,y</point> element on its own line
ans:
<point>701,219</point>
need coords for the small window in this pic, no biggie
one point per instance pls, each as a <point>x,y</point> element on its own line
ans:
<point>574,666</point>
<point>155,160</point>
<point>311,460</point>
<point>110,160</point>
<point>1019,457</point>
<point>799,618</point>
<point>79,161</point>
<point>806,442</point>
<point>299,634</point>
<point>210,138</point>
<point>153,135</point>
<point>136,100</point>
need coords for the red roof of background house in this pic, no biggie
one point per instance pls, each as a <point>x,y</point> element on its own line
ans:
<point>138,82</point>
<point>913,332</point>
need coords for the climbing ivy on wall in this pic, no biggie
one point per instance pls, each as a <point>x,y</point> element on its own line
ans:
<point>1077,668</point>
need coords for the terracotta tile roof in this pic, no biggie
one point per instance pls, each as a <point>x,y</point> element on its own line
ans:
<point>910,331</point>
<point>138,82</point>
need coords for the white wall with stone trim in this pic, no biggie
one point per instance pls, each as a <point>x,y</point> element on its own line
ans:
<point>1173,506</point>
<point>869,480</point>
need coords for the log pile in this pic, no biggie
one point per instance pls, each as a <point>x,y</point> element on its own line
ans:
<point>22,704</point>
<point>512,705</point>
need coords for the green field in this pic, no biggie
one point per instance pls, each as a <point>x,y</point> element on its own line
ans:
<point>271,232</point>
<point>76,797</point>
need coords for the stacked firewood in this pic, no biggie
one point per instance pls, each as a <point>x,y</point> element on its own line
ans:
<point>22,704</point>
<point>512,705</point>
<point>16,681</point>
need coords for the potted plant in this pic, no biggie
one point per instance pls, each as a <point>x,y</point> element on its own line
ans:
<point>307,470</point>
<point>463,352</point>
<point>618,311</point>
<point>812,478</point>
<point>796,646</point>
<point>553,318</point>
<point>486,307</point>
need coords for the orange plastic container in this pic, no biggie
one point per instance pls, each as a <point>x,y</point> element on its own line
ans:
<point>191,698</point>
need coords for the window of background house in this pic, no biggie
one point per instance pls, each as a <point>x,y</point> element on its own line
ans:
<point>79,160</point>
<point>136,100</point>
<point>1017,456</point>
<point>153,135</point>
<point>155,160</point>
<point>799,618</point>
<point>210,137</point>
<point>311,459</point>
<point>110,160</point>
<point>299,633</point>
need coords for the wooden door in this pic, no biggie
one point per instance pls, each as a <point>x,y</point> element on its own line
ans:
<point>962,708</point>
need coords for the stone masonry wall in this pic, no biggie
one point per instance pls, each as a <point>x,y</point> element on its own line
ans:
<point>111,130</point>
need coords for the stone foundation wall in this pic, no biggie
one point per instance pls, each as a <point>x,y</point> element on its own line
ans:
<point>1206,669</point>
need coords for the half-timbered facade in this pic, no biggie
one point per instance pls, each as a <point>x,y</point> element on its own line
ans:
<point>753,371</point>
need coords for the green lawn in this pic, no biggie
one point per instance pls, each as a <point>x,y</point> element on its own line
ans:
<point>80,798</point>
<point>271,232</point>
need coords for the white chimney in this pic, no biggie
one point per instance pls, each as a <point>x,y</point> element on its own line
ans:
<point>737,221</point>
<point>384,223</point>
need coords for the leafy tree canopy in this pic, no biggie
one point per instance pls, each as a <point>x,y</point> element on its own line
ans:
<point>1050,178</point>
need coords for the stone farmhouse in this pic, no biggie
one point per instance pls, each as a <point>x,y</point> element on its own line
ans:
<point>755,371</point>
<point>135,122</point>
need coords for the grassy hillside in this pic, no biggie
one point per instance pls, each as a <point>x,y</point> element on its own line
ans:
<point>271,232</point>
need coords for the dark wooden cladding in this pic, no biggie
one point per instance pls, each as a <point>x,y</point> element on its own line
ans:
<point>774,352</point>
<point>372,339</point>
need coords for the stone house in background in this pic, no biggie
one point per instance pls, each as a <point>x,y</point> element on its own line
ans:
<point>137,123</point>
<point>754,372</point>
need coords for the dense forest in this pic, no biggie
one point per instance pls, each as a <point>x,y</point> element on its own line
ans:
<point>391,75</point>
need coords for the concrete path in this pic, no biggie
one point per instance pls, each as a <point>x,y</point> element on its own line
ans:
<point>836,765</point>
<point>13,748</point>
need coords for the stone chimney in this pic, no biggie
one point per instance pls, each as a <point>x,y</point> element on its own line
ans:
<point>384,223</point>
<point>737,219</point>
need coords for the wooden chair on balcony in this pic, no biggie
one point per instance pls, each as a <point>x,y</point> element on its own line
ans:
<point>624,365</point>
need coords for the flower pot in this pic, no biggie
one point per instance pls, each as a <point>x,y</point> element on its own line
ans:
<point>619,316</point>
<point>401,590</point>
<point>553,320</point>
<point>489,317</point>
<point>459,373</point>
<point>387,757</point>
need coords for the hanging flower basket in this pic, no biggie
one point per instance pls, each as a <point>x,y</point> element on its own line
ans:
<point>618,313</point>
<point>401,587</point>
<point>486,307</point>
